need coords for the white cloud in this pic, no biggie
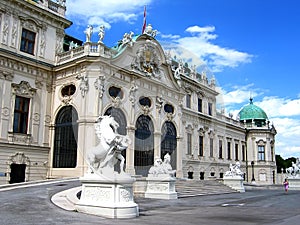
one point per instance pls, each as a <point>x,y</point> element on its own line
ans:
<point>197,29</point>
<point>98,12</point>
<point>201,44</point>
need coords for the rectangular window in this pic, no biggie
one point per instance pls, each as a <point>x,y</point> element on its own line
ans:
<point>211,147</point>
<point>188,101</point>
<point>261,153</point>
<point>27,41</point>
<point>228,150</point>
<point>189,144</point>
<point>199,105</point>
<point>21,115</point>
<point>236,151</point>
<point>243,153</point>
<point>220,149</point>
<point>272,153</point>
<point>209,108</point>
<point>200,145</point>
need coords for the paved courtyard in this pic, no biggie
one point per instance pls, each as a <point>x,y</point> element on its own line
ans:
<point>31,204</point>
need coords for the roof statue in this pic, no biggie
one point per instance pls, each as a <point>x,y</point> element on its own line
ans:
<point>101,33</point>
<point>88,33</point>
<point>149,31</point>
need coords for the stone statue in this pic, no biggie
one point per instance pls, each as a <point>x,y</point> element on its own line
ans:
<point>234,170</point>
<point>88,33</point>
<point>105,155</point>
<point>294,170</point>
<point>149,31</point>
<point>101,33</point>
<point>162,167</point>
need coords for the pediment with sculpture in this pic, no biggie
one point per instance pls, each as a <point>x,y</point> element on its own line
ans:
<point>148,61</point>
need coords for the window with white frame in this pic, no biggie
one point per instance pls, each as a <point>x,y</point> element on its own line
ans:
<point>21,112</point>
<point>22,94</point>
<point>27,41</point>
<point>261,152</point>
<point>220,149</point>
<point>201,152</point>
<point>189,143</point>
<point>188,101</point>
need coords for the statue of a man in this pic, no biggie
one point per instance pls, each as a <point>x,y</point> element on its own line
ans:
<point>101,33</point>
<point>88,32</point>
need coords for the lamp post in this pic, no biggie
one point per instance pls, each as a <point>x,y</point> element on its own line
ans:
<point>252,165</point>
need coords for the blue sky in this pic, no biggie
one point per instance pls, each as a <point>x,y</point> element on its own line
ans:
<point>251,47</point>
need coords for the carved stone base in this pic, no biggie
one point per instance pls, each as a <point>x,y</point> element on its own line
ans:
<point>107,197</point>
<point>235,182</point>
<point>294,183</point>
<point>161,187</point>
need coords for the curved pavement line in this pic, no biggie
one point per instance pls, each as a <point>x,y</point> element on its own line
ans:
<point>66,199</point>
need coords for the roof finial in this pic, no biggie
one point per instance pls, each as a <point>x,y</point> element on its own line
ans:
<point>251,99</point>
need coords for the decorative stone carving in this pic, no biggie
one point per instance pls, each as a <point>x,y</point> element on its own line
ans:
<point>147,61</point>
<point>24,89</point>
<point>133,89</point>
<point>5,30</point>
<point>43,43</point>
<point>5,112</point>
<point>6,75</point>
<point>179,70</point>
<point>168,57</point>
<point>14,32</point>
<point>18,158</point>
<point>159,102</point>
<point>84,84</point>
<point>99,85</point>
<point>149,31</point>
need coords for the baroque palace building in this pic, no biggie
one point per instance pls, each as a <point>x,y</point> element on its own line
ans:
<point>53,87</point>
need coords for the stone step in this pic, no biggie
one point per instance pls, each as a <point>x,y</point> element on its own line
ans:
<point>188,188</point>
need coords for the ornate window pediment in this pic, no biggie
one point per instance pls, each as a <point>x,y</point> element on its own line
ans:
<point>23,89</point>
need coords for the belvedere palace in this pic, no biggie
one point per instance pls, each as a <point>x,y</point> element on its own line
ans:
<point>54,87</point>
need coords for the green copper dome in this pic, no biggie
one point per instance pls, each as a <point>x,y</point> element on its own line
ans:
<point>252,111</point>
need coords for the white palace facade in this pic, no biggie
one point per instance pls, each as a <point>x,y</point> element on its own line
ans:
<point>53,87</point>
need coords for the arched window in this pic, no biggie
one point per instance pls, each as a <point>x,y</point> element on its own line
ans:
<point>169,142</point>
<point>65,138</point>
<point>144,145</point>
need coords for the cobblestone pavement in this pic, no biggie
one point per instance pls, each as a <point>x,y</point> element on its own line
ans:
<point>31,204</point>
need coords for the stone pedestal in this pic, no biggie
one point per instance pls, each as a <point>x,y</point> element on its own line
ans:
<point>294,183</point>
<point>107,197</point>
<point>235,182</point>
<point>161,187</point>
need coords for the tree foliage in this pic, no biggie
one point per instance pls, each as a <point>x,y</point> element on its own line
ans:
<point>283,163</point>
